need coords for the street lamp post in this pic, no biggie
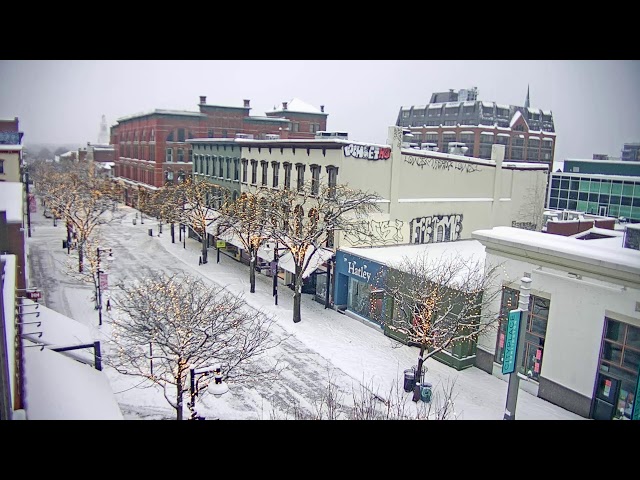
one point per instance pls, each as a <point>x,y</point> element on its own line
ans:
<point>100,272</point>
<point>329,264</point>
<point>218,388</point>
<point>274,268</point>
<point>514,379</point>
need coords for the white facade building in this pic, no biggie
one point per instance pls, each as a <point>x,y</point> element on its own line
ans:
<point>582,347</point>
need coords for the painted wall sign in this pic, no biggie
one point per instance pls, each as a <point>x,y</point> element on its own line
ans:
<point>437,228</point>
<point>386,232</point>
<point>369,152</point>
<point>511,342</point>
<point>440,163</point>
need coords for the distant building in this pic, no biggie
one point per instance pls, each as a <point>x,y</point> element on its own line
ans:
<point>630,152</point>
<point>152,149</point>
<point>600,187</point>
<point>10,150</point>
<point>471,126</point>
<point>103,136</point>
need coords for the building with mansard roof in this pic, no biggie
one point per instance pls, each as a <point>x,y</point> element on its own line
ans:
<point>460,122</point>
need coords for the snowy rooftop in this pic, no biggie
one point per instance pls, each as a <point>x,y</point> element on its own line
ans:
<point>60,388</point>
<point>11,200</point>
<point>10,148</point>
<point>297,105</point>
<point>161,112</point>
<point>395,255</point>
<point>515,118</point>
<point>588,251</point>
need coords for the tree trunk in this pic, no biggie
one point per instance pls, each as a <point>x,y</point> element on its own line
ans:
<point>179,400</point>
<point>204,248</point>
<point>297,295</point>
<point>80,256</point>
<point>252,270</point>
<point>416,388</point>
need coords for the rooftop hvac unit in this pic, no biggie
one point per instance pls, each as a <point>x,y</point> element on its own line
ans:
<point>271,136</point>
<point>244,135</point>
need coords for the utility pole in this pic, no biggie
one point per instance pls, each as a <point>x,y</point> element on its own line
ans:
<point>514,379</point>
<point>25,170</point>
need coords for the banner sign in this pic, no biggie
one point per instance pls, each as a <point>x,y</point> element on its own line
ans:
<point>104,281</point>
<point>32,203</point>
<point>511,342</point>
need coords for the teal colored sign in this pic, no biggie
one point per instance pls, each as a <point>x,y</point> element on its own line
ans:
<point>635,414</point>
<point>511,342</point>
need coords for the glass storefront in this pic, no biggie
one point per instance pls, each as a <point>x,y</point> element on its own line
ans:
<point>365,300</point>
<point>617,382</point>
<point>534,335</point>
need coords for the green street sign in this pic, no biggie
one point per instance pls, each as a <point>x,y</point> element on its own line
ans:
<point>511,342</point>
<point>635,414</point>
<point>221,244</point>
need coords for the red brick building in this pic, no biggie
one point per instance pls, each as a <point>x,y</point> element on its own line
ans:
<point>151,149</point>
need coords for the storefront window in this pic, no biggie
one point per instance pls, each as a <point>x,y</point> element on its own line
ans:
<point>620,366</point>
<point>365,300</point>
<point>358,300</point>
<point>535,333</point>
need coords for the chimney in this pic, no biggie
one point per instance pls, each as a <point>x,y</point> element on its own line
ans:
<point>246,104</point>
<point>203,100</point>
<point>322,108</point>
<point>284,105</point>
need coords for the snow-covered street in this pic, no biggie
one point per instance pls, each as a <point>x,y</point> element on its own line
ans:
<point>325,344</point>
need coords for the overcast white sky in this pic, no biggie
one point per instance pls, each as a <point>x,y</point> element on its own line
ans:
<point>594,102</point>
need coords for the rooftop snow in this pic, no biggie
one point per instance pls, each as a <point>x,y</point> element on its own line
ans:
<point>588,251</point>
<point>297,105</point>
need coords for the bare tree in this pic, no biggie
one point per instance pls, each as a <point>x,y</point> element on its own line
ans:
<point>303,220</point>
<point>246,220</point>
<point>85,201</point>
<point>531,211</point>
<point>166,325</point>
<point>439,302</point>
<point>165,204</point>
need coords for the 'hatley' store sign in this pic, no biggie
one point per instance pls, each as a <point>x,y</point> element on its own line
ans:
<point>358,269</point>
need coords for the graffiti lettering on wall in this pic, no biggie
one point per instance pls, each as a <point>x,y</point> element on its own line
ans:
<point>440,163</point>
<point>369,152</point>
<point>524,225</point>
<point>438,228</point>
<point>376,233</point>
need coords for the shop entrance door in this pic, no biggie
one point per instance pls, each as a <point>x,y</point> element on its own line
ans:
<point>608,389</point>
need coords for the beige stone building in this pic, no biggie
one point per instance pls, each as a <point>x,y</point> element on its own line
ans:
<point>427,196</point>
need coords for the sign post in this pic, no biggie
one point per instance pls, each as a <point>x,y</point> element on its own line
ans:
<point>514,346</point>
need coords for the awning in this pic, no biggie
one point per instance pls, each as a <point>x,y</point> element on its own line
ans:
<point>56,330</point>
<point>60,388</point>
<point>321,256</point>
